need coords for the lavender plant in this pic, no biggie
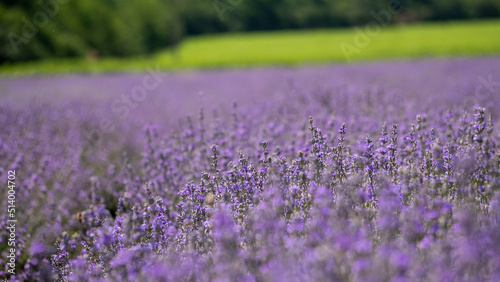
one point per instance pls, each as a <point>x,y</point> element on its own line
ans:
<point>239,198</point>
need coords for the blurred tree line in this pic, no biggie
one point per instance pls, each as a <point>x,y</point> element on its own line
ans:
<point>35,29</point>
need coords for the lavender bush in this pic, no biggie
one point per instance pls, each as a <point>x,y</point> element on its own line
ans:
<point>315,185</point>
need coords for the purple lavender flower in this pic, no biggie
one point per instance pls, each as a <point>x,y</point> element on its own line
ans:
<point>254,193</point>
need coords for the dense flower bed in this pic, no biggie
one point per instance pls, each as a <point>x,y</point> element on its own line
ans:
<point>362,190</point>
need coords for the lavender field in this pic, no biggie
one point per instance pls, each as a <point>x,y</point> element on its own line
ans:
<point>385,171</point>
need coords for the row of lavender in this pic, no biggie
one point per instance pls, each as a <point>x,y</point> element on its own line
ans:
<point>355,192</point>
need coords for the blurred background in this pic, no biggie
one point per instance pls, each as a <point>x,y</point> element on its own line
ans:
<point>93,29</point>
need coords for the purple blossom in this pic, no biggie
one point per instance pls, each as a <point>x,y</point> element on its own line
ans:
<point>373,186</point>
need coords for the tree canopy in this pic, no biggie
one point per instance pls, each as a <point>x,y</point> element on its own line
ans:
<point>34,29</point>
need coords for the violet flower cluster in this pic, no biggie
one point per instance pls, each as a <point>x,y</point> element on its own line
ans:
<point>355,194</point>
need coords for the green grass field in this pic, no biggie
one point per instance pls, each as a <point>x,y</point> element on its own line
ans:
<point>471,38</point>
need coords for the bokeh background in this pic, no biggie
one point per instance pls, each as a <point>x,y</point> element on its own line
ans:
<point>94,29</point>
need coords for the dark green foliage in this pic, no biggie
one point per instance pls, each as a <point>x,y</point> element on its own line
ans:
<point>94,28</point>
<point>66,28</point>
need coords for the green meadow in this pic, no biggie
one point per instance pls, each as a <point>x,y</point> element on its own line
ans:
<point>409,41</point>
